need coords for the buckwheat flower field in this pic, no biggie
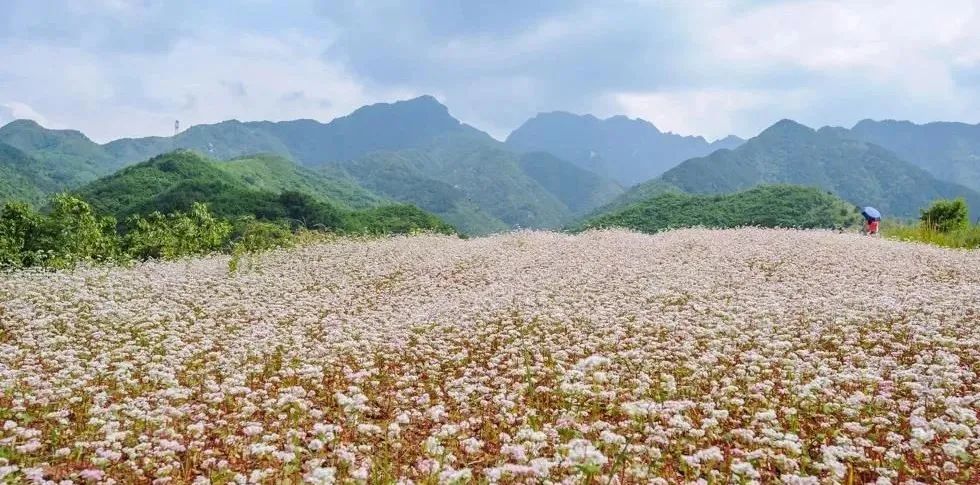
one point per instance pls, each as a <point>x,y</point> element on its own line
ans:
<point>748,355</point>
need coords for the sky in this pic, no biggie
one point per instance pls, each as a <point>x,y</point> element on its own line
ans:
<point>127,68</point>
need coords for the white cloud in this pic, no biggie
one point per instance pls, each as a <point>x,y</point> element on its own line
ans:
<point>14,110</point>
<point>713,113</point>
<point>130,67</point>
<point>133,94</point>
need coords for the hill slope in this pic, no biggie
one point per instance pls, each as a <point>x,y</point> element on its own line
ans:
<point>579,189</point>
<point>949,151</point>
<point>68,157</point>
<point>767,206</point>
<point>127,190</point>
<point>174,181</point>
<point>788,152</point>
<point>22,178</point>
<point>276,174</point>
<point>473,176</point>
<point>228,139</point>
<point>626,150</point>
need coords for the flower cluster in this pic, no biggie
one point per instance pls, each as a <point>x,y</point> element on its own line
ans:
<point>743,355</point>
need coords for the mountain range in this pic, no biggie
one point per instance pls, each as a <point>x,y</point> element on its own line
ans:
<point>626,150</point>
<point>949,151</point>
<point>553,170</point>
<point>829,158</point>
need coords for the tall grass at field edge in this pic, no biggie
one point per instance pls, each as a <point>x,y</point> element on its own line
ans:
<point>965,238</point>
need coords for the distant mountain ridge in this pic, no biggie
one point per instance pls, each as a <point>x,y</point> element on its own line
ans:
<point>409,151</point>
<point>67,156</point>
<point>553,169</point>
<point>948,150</point>
<point>626,150</point>
<point>788,152</point>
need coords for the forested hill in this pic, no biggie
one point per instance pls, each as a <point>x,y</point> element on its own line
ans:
<point>788,152</point>
<point>767,206</point>
<point>256,187</point>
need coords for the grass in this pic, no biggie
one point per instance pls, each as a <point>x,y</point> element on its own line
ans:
<point>968,238</point>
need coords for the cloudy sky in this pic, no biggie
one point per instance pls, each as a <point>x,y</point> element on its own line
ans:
<point>115,68</point>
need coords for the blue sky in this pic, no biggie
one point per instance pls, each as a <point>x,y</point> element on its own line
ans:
<point>115,68</point>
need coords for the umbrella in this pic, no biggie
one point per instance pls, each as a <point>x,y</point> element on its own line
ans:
<point>871,213</point>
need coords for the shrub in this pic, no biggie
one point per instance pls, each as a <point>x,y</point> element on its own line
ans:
<point>257,236</point>
<point>19,228</point>
<point>73,233</point>
<point>946,215</point>
<point>176,235</point>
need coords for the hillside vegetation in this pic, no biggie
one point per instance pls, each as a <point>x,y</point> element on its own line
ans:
<point>23,178</point>
<point>185,175</point>
<point>579,189</point>
<point>245,187</point>
<point>66,157</point>
<point>788,152</point>
<point>765,206</point>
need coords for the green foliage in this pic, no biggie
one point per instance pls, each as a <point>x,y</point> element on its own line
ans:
<point>179,205</point>
<point>395,219</point>
<point>946,215</point>
<point>255,236</point>
<point>788,152</point>
<point>66,157</point>
<point>23,178</point>
<point>396,177</point>
<point>71,233</point>
<point>256,187</point>
<point>966,237</point>
<point>176,235</point>
<point>20,229</point>
<point>765,206</point>
<point>637,193</point>
<point>276,174</point>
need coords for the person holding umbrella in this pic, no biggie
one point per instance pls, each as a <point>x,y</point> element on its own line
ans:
<point>871,218</point>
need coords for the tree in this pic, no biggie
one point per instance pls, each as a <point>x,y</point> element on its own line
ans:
<point>72,233</point>
<point>19,228</point>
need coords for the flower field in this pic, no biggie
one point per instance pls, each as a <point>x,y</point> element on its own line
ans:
<point>743,355</point>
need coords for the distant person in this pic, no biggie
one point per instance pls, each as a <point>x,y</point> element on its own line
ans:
<point>872,217</point>
<point>873,227</point>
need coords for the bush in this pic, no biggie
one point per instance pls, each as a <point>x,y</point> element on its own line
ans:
<point>176,235</point>
<point>256,236</point>
<point>71,233</point>
<point>946,215</point>
<point>19,228</point>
